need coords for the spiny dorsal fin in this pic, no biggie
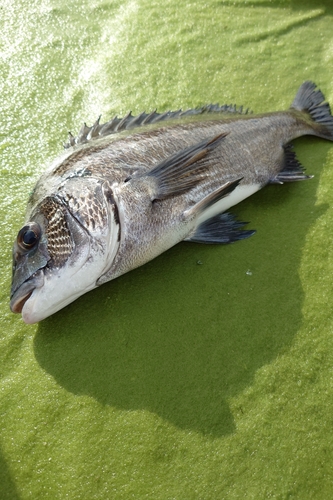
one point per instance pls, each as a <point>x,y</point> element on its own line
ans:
<point>129,121</point>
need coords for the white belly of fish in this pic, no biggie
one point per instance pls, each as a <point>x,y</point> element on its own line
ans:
<point>239,194</point>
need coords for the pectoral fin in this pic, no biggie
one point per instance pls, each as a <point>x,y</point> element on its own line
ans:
<point>221,229</point>
<point>211,199</point>
<point>181,171</point>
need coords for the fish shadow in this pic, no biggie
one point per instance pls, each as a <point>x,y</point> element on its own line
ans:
<point>183,334</point>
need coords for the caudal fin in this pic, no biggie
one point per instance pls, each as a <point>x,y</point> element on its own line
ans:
<point>311,100</point>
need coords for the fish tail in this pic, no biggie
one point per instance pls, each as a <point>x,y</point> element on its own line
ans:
<point>311,100</point>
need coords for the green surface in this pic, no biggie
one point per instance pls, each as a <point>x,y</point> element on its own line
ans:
<point>207,373</point>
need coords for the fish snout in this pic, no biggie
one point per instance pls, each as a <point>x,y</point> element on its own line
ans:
<point>20,296</point>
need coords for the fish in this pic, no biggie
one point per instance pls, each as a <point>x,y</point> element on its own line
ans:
<point>123,192</point>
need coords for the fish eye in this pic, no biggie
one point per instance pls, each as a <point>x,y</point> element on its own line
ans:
<point>29,236</point>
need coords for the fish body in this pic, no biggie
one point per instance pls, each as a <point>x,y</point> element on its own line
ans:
<point>126,191</point>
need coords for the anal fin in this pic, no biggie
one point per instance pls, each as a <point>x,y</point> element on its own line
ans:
<point>221,229</point>
<point>292,169</point>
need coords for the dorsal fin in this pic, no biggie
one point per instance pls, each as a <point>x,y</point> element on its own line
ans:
<point>129,121</point>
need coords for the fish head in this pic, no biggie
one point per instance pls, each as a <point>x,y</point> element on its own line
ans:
<point>57,257</point>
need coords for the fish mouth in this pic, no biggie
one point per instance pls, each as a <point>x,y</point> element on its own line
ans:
<point>24,292</point>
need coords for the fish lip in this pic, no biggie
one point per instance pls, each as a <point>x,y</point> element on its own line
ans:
<point>24,292</point>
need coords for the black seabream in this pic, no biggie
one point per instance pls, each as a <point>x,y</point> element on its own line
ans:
<point>127,190</point>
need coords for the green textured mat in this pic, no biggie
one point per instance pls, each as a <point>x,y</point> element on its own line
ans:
<point>207,373</point>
